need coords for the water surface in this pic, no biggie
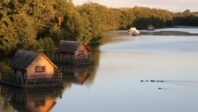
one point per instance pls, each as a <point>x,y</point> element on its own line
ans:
<point>148,73</point>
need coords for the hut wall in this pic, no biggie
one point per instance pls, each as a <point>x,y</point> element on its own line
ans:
<point>40,61</point>
<point>85,51</point>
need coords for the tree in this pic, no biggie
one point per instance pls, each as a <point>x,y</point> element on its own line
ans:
<point>24,30</point>
<point>186,12</point>
<point>7,34</point>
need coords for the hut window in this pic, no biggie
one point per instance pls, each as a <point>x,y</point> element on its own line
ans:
<point>81,52</point>
<point>40,69</point>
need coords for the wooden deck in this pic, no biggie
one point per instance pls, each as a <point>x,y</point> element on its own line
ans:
<point>36,81</point>
<point>72,60</point>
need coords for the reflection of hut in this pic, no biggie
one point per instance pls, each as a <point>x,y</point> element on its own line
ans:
<point>31,100</point>
<point>150,27</point>
<point>73,52</point>
<point>133,31</point>
<point>32,69</point>
<point>76,74</point>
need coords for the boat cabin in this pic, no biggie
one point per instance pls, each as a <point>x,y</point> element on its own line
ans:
<point>133,31</point>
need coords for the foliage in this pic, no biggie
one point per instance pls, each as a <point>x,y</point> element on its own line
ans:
<point>24,31</point>
<point>186,18</point>
<point>41,24</point>
<point>155,17</point>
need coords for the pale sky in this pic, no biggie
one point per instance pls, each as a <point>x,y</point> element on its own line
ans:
<point>171,5</point>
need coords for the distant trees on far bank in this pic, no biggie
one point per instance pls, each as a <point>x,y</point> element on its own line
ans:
<point>186,18</point>
<point>155,17</point>
<point>41,24</point>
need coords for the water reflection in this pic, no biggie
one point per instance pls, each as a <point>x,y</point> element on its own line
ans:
<point>41,100</point>
<point>44,100</point>
<point>167,33</point>
<point>120,67</point>
<point>75,74</point>
<point>122,35</point>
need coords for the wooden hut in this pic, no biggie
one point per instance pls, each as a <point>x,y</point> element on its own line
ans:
<point>150,27</point>
<point>73,52</point>
<point>32,69</point>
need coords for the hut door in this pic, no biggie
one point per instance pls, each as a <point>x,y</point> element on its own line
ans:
<point>81,54</point>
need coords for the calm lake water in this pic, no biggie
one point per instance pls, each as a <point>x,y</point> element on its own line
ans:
<point>154,72</point>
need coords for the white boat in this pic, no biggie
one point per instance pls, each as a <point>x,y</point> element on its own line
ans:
<point>133,31</point>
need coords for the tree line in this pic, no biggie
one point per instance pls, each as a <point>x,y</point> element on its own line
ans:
<point>41,24</point>
<point>186,18</point>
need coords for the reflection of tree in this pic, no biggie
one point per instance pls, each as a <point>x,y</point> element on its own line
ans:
<point>169,33</point>
<point>40,100</point>
<point>4,100</point>
<point>13,99</point>
<point>96,58</point>
<point>5,105</point>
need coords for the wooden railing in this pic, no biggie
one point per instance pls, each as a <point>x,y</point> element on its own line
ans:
<point>72,59</point>
<point>44,76</point>
<point>32,80</point>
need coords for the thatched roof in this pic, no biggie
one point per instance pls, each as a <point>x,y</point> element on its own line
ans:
<point>70,46</point>
<point>22,59</point>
